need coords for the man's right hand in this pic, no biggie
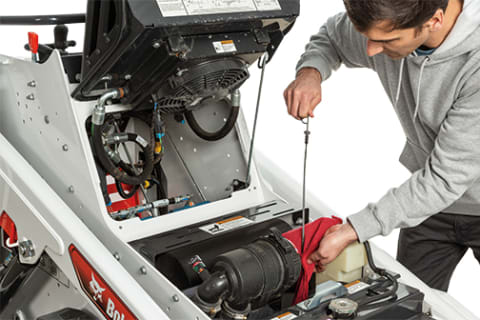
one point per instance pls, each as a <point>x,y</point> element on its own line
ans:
<point>304,93</point>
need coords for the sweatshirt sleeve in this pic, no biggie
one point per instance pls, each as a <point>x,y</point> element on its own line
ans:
<point>337,42</point>
<point>451,169</point>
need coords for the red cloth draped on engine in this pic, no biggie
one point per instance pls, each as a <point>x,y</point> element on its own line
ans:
<point>314,232</point>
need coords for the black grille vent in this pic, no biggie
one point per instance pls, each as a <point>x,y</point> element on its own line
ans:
<point>214,79</point>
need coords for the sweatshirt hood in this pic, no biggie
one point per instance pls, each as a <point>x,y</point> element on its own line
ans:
<point>456,43</point>
<point>467,23</point>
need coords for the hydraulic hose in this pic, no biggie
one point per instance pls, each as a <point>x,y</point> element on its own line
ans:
<point>391,293</point>
<point>112,169</point>
<point>98,122</point>
<point>122,192</point>
<point>222,132</point>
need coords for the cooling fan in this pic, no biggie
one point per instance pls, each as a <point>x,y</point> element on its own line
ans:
<point>192,85</point>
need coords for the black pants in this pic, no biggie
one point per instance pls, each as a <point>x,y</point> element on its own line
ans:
<point>433,249</point>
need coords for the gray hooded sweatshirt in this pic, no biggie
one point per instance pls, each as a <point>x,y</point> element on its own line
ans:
<point>437,99</point>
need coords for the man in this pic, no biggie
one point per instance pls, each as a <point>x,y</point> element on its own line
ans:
<point>427,56</point>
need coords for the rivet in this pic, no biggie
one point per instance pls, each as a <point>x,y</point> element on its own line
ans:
<point>32,84</point>
<point>116,255</point>
<point>65,147</point>
<point>143,270</point>
<point>47,120</point>
<point>71,189</point>
<point>175,298</point>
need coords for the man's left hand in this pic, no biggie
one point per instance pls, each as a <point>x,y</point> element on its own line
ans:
<point>335,240</point>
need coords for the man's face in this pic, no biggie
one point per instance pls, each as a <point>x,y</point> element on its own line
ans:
<point>396,44</point>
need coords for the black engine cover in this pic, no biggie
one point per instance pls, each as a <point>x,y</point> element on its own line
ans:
<point>136,45</point>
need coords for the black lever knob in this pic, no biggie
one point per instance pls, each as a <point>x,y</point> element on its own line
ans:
<point>60,35</point>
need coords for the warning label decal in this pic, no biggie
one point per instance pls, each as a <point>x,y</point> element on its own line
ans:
<point>356,286</point>
<point>172,8</point>
<point>285,316</point>
<point>226,225</point>
<point>224,46</point>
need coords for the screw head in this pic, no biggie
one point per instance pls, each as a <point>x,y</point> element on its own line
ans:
<point>71,189</point>
<point>21,249</point>
<point>65,147</point>
<point>26,249</point>
<point>175,298</point>
<point>143,270</point>
<point>19,315</point>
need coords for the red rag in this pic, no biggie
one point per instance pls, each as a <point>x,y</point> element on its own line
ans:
<point>314,232</point>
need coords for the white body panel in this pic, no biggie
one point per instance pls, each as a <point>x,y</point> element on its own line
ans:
<point>50,189</point>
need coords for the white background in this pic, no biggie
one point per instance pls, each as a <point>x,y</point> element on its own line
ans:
<point>356,138</point>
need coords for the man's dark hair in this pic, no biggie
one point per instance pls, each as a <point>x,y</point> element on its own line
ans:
<point>402,14</point>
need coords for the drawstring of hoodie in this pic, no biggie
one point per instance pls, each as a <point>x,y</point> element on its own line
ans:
<point>400,78</point>
<point>417,106</point>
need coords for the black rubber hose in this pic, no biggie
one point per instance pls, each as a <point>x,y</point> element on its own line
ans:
<point>122,192</point>
<point>367,303</point>
<point>213,136</point>
<point>127,168</point>
<point>112,169</point>
<point>214,288</point>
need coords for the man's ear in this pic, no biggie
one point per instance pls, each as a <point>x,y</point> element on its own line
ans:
<point>436,22</point>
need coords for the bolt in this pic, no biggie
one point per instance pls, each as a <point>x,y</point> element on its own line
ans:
<point>22,250</point>
<point>116,255</point>
<point>143,270</point>
<point>19,315</point>
<point>47,120</point>
<point>175,298</point>
<point>156,45</point>
<point>65,147</point>
<point>108,77</point>
<point>32,84</point>
<point>25,248</point>
<point>31,96</point>
<point>71,189</point>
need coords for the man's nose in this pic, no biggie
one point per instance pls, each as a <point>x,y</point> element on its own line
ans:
<point>374,48</point>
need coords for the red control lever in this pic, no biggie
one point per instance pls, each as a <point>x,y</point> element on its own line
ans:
<point>33,42</point>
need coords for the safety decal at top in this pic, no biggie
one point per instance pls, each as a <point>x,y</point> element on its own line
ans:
<point>173,8</point>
